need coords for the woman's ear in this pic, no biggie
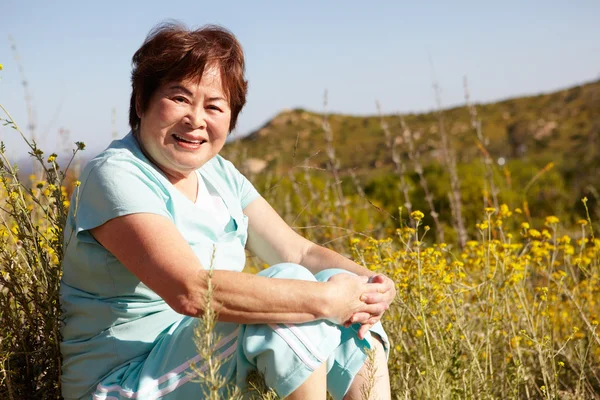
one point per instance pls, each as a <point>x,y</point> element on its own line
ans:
<point>138,108</point>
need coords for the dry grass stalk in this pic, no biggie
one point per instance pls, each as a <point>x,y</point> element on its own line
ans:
<point>449,159</point>
<point>31,117</point>
<point>399,166</point>
<point>213,384</point>
<point>367,389</point>
<point>486,160</point>
<point>32,218</point>
<point>333,164</point>
<point>359,189</point>
<point>415,156</point>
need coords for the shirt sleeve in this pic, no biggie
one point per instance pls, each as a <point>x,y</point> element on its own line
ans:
<point>114,188</point>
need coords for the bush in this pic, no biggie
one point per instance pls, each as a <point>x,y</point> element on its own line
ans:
<point>32,215</point>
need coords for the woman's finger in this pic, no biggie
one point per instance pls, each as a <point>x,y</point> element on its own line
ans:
<point>379,278</point>
<point>371,298</point>
<point>362,331</point>
<point>359,318</point>
<point>374,309</point>
<point>376,288</point>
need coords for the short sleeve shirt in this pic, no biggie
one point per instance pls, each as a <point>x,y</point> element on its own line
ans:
<point>110,316</point>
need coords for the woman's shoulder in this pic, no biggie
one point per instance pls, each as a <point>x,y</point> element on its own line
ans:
<point>125,150</point>
<point>221,167</point>
<point>121,157</point>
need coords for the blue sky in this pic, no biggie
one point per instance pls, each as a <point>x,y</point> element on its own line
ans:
<point>76,55</point>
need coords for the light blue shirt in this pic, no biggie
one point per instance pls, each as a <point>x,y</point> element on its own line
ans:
<point>110,316</point>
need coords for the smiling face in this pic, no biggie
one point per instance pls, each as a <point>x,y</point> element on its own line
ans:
<point>185,125</point>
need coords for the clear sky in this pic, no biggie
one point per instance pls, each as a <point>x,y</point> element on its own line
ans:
<point>76,55</point>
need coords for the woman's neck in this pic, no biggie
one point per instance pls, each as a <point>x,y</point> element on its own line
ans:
<point>185,183</point>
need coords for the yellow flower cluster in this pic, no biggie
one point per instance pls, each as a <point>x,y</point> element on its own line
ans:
<point>499,303</point>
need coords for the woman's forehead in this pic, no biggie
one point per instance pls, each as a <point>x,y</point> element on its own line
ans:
<point>210,79</point>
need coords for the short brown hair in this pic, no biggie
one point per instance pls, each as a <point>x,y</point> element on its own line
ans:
<point>172,52</point>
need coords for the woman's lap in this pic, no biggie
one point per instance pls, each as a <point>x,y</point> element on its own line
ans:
<point>286,354</point>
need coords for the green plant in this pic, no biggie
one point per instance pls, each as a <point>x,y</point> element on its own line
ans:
<point>32,217</point>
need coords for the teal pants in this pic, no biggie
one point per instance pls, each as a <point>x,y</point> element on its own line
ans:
<point>286,354</point>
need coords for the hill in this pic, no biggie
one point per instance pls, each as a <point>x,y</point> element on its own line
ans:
<point>552,140</point>
<point>563,126</point>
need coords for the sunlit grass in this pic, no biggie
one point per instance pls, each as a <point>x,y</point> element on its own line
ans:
<point>513,314</point>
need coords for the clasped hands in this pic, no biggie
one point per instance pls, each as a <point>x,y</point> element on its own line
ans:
<point>362,300</point>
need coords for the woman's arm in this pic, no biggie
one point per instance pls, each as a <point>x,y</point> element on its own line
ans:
<point>273,241</point>
<point>152,248</point>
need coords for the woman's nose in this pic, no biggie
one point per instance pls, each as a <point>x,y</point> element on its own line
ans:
<point>196,118</point>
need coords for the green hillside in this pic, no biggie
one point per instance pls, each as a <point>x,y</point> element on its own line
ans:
<point>562,127</point>
<point>559,126</point>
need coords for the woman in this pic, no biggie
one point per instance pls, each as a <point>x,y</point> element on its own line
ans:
<point>158,208</point>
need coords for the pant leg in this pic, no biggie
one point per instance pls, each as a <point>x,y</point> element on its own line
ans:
<point>168,372</point>
<point>350,355</point>
<point>287,354</point>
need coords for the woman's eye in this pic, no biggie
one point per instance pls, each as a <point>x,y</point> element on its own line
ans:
<point>180,99</point>
<point>213,107</point>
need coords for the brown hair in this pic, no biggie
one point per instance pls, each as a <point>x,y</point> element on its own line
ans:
<point>171,52</point>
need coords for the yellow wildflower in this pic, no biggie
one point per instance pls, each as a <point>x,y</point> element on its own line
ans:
<point>483,226</point>
<point>525,225</point>
<point>504,211</point>
<point>565,239</point>
<point>534,233</point>
<point>551,220</point>
<point>417,215</point>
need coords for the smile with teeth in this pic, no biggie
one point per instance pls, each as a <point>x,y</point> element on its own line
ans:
<point>181,139</point>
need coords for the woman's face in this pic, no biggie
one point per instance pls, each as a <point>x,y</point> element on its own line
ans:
<point>186,124</point>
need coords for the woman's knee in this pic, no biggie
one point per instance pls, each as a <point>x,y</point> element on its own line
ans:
<point>288,271</point>
<point>323,276</point>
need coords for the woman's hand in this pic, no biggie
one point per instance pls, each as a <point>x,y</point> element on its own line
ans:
<point>385,297</point>
<point>348,302</point>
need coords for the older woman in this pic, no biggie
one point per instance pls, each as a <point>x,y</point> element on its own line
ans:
<point>159,207</point>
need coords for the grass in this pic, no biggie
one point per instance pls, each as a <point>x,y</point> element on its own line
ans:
<point>512,314</point>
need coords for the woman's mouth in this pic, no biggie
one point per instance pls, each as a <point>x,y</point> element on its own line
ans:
<point>188,142</point>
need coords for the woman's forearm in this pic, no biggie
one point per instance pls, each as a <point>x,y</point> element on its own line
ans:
<point>246,298</point>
